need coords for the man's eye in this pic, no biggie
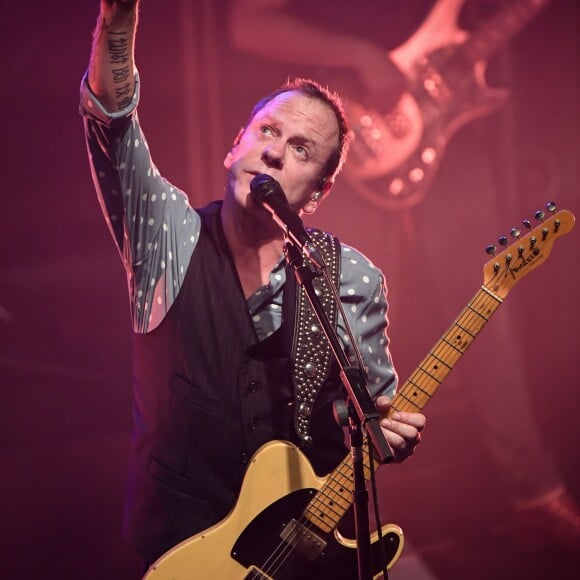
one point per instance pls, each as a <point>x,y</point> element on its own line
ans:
<point>301,150</point>
<point>265,130</point>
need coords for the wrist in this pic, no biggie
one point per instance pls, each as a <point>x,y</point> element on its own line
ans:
<point>117,16</point>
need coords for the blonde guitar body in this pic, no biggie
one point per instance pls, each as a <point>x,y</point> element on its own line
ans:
<point>278,484</point>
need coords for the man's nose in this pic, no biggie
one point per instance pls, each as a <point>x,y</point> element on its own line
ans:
<point>273,155</point>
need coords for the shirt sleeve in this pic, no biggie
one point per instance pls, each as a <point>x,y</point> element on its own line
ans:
<point>152,223</point>
<point>363,293</point>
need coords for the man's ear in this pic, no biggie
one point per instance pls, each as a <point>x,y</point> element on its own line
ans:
<point>318,195</point>
<point>229,157</point>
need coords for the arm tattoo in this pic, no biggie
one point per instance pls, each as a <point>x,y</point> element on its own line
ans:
<point>118,46</point>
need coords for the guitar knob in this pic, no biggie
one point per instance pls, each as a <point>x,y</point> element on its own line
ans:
<point>551,206</point>
<point>527,224</point>
<point>516,233</point>
<point>503,241</point>
<point>540,215</point>
<point>490,250</point>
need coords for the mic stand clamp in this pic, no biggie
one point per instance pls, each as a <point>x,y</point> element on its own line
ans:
<point>362,413</point>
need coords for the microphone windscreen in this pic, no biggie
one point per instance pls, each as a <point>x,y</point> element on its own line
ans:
<point>262,186</point>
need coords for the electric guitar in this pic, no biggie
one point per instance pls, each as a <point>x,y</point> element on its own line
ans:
<point>395,155</point>
<point>284,524</point>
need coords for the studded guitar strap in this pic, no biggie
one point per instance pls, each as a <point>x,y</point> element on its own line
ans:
<point>311,352</point>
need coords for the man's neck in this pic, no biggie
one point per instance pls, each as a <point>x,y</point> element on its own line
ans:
<point>255,245</point>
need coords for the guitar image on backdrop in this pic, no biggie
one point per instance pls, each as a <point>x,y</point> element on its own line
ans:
<point>396,154</point>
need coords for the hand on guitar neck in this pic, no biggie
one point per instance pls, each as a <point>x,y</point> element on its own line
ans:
<point>402,429</point>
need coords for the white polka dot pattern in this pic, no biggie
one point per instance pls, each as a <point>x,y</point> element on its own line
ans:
<point>148,220</point>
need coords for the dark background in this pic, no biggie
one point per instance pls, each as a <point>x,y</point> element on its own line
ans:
<point>64,318</point>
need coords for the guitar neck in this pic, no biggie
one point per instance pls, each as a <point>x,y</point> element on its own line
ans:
<point>332,501</point>
<point>422,384</point>
<point>509,20</point>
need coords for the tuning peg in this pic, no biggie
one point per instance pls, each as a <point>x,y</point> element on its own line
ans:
<point>503,241</point>
<point>551,206</point>
<point>490,250</point>
<point>527,224</point>
<point>540,215</point>
<point>516,233</point>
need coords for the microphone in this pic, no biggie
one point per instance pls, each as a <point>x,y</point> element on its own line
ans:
<point>268,193</point>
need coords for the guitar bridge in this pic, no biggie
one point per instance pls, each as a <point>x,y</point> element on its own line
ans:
<point>303,539</point>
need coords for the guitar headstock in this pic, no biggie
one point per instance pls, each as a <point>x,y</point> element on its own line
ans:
<point>502,272</point>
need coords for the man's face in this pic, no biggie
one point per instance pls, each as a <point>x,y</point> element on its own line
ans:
<point>291,138</point>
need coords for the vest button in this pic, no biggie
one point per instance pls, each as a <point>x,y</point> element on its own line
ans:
<point>254,386</point>
<point>252,424</point>
<point>244,458</point>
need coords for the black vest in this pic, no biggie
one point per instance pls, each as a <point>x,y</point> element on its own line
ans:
<point>207,395</point>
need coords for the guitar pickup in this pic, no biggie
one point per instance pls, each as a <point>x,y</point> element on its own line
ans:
<point>303,539</point>
<point>256,574</point>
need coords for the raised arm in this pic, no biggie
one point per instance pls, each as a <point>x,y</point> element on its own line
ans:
<point>112,65</point>
<point>143,210</point>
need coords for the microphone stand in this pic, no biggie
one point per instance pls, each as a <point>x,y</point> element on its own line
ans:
<point>362,411</point>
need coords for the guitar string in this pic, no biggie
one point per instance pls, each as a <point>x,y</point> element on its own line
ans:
<point>280,555</point>
<point>287,547</point>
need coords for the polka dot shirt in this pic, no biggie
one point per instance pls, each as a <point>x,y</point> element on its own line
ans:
<point>156,232</point>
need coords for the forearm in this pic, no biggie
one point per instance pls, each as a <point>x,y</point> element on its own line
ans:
<point>112,65</point>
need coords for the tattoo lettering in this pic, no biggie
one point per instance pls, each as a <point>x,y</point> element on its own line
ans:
<point>120,75</point>
<point>122,103</point>
<point>123,94</point>
<point>118,53</point>
<point>118,46</point>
